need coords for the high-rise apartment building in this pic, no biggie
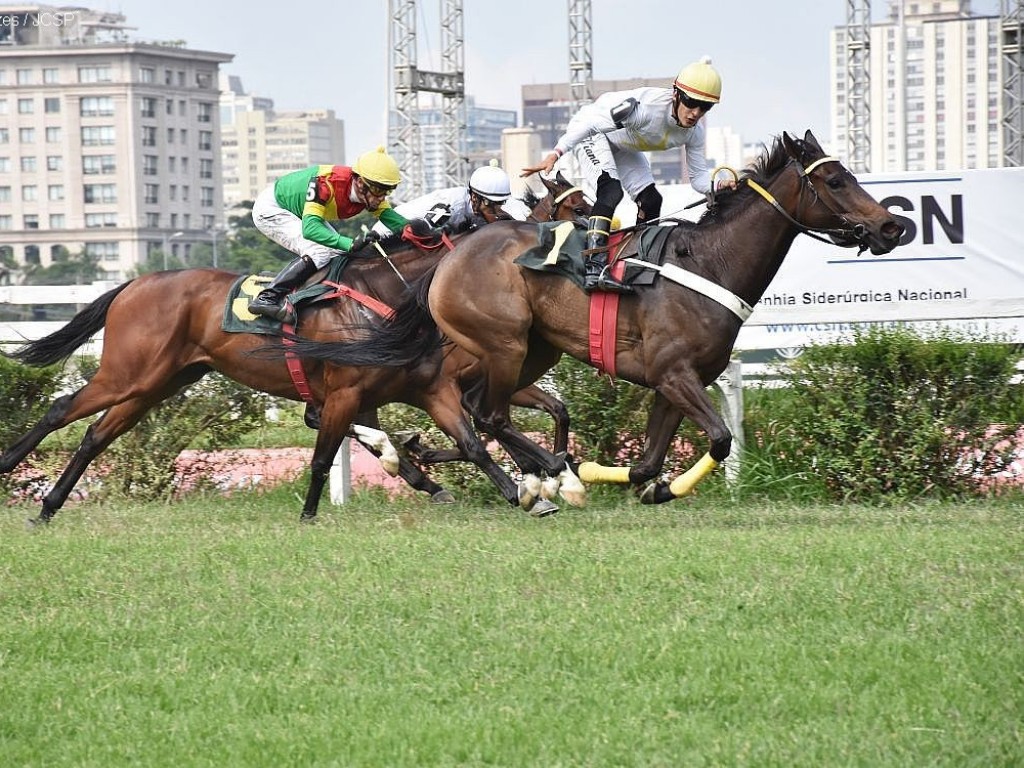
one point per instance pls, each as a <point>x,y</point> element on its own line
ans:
<point>107,145</point>
<point>935,88</point>
<point>260,144</point>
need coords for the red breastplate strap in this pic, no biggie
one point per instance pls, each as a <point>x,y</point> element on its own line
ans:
<point>604,315</point>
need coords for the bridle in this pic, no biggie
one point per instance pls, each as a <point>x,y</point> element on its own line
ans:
<point>856,232</point>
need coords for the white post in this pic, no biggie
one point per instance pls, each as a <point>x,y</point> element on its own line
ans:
<point>341,474</point>
<point>730,384</point>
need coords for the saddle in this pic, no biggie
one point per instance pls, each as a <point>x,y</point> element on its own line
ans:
<point>561,245</point>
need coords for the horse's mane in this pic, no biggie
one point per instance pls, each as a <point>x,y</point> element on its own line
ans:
<point>530,199</point>
<point>763,169</point>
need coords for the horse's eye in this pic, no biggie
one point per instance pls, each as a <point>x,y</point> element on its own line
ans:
<point>834,182</point>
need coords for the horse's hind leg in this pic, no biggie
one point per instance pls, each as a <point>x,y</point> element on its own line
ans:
<point>408,471</point>
<point>54,419</point>
<point>100,434</point>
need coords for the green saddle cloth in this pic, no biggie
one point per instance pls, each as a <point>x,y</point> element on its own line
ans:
<point>559,249</point>
<point>238,318</point>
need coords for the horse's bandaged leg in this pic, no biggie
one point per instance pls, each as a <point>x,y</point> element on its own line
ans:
<point>592,472</point>
<point>380,442</point>
<point>685,483</point>
<point>571,488</point>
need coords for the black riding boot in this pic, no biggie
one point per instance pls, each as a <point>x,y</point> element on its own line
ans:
<point>597,277</point>
<point>270,301</point>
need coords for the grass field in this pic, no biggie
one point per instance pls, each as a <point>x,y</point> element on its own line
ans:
<point>223,633</point>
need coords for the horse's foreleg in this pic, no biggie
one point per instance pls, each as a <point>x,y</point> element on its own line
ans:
<point>336,417</point>
<point>367,431</point>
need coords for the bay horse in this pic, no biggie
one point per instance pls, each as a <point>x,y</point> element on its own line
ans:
<point>675,336</point>
<point>162,332</point>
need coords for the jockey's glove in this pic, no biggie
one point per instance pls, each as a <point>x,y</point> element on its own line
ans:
<point>364,240</point>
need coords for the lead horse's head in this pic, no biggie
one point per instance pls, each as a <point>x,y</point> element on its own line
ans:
<point>832,202</point>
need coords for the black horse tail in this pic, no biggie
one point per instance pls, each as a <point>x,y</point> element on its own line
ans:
<point>59,345</point>
<point>407,336</point>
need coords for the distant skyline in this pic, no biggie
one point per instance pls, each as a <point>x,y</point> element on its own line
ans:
<point>773,57</point>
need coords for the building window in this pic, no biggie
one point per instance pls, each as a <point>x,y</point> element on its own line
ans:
<point>5,136</point>
<point>31,221</point>
<point>148,136</point>
<point>27,135</point>
<point>148,106</point>
<point>32,251</point>
<point>26,106</point>
<point>98,164</point>
<point>205,168</point>
<point>97,135</point>
<point>205,112</point>
<point>53,135</point>
<point>94,74</point>
<point>28,164</point>
<point>51,106</point>
<point>170,135</point>
<point>29,193</point>
<point>24,76</point>
<point>172,164</point>
<point>172,192</point>
<point>152,219</point>
<point>100,193</point>
<point>6,221</point>
<point>5,194</point>
<point>206,140</point>
<point>51,75</point>
<point>57,221</point>
<point>96,106</point>
<point>147,75</point>
<point>206,197</point>
<point>103,251</point>
<point>54,163</point>
<point>55,192</point>
<point>94,220</point>
<point>152,195</point>
<point>149,165</point>
<point>5,165</point>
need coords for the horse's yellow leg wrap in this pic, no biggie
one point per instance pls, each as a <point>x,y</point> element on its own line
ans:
<point>592,472</point>
<point>683,484</point>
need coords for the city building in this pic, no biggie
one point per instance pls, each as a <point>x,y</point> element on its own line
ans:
<point>108,146</point>
<point>259,144</point>
<point>484,126</point>
<point>935,88</point>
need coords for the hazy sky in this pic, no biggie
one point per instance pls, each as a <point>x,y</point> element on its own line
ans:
<point>773,56</point>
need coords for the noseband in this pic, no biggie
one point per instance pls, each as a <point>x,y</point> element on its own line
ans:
<point>856,232</point>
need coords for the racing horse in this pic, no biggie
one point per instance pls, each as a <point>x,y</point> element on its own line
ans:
<point>674,336</point>
<point>162,332</point>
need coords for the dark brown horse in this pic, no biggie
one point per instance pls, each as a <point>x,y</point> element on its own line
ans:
<point>162,332</point>
<point>675,337</point>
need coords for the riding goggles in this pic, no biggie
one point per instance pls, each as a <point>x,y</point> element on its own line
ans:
<point>376,189</point>
<point>691,103</point>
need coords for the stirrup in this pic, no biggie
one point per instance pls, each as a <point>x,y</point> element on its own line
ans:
<point>609,284</point>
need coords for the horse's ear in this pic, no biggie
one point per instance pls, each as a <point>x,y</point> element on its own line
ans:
<point>792,145</point>
<point>562,180</point>
<point>810,139</point>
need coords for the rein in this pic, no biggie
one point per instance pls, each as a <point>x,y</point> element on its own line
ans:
<point>857,232</point>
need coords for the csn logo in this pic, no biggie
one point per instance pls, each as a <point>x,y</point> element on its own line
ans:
<point>44,19</point>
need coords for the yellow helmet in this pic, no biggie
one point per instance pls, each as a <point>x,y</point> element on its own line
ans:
<point>379,167</point>
<point>700,81</point>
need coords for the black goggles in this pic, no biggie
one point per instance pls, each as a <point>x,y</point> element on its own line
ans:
<point>691,103</point>
<point>376,189</point>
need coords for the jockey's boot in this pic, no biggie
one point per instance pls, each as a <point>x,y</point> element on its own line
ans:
<point>270,301</point>
<point>597,277</point>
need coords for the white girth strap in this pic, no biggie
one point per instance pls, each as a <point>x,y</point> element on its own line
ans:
<point>701,285</point>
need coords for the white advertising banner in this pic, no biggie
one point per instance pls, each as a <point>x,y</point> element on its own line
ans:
<point>961,263</point>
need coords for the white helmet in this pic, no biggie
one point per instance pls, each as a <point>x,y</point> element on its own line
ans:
<point>491,183</point>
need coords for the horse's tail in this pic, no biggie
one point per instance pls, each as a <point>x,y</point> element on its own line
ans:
<point>59,345</point>
<point>407,336</point>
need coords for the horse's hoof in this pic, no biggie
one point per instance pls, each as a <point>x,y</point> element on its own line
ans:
<point>442,497</point>
<point>543,508</point>
<point>308,519</point>
<point>389,462</point>
<point>407,437</point>
<point>571,489</point>
<point>529,491</point>
<point>549,488</point>
<point>656,493</point>
<point>35,523</point>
